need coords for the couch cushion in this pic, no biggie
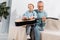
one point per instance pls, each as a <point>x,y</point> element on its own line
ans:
<point>53,25</point>
<point>50,35</point>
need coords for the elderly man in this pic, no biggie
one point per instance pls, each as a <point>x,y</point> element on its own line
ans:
<point>41,22</point>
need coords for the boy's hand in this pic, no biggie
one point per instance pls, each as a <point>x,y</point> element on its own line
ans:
<point>32,17</point>
<point>24,18</point>
<point>44,19</point>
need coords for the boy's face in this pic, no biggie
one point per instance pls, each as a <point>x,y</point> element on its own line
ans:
<point>40,6</point>
<point>30,7</point>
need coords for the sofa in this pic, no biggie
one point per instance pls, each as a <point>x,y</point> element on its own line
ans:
<point>51,30</point>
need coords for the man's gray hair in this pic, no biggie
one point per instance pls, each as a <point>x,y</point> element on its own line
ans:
<point>40,1</point>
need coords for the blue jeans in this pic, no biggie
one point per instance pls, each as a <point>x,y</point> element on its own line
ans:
<point>37,30</point>
<point>28,28</point>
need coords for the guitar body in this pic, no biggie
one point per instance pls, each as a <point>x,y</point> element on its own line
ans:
<point>28,22</point>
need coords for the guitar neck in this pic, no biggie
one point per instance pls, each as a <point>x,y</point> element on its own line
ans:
<point>47,18</point>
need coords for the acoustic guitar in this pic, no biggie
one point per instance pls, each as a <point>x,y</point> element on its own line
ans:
<point>28,22</point>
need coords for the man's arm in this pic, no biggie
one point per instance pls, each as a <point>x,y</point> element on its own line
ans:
<point>35,14</point>
<point>44,17</point>
<point>45,14</point>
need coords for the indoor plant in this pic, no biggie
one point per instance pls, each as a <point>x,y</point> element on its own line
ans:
<point>3,10</point>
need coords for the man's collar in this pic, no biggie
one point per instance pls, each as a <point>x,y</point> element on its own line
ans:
<point>40,11</point>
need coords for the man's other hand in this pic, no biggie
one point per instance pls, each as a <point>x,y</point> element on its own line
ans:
<point>44,19</point>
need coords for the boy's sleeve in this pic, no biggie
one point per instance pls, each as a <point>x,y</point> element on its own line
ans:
<point>25,14</point>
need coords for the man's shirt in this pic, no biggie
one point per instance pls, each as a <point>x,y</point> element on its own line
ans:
<point>40,15</point>
<point>28,14</point>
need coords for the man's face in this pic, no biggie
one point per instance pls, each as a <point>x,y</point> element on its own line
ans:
<point>40,6</point>
<point>30,7</point>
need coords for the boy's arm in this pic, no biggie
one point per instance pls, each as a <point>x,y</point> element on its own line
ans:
<point>24,16</point>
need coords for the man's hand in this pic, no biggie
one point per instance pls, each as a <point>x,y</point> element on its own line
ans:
<point>44,19</point>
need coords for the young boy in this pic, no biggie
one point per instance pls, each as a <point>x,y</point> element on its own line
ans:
<point>30,14</point>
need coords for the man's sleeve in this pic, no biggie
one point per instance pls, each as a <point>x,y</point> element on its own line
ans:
<point>45,14</point>
<point>36,10</point>
<point>35,14</point>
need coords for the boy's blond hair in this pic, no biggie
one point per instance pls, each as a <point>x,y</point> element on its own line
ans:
<point>31,4</point>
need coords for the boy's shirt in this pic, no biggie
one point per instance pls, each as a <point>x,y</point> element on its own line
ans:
<point>29,14</point>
